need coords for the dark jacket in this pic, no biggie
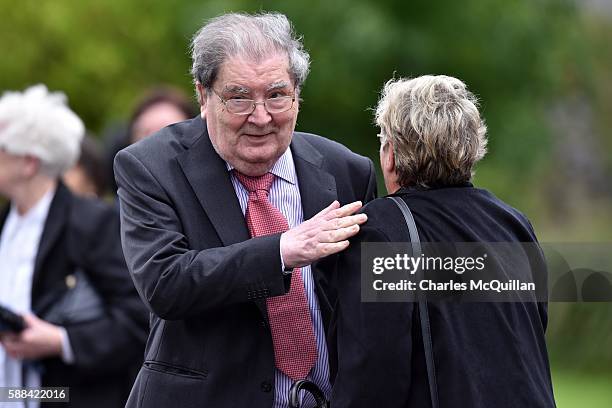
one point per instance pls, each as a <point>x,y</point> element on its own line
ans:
<point>84,234</point>
<point>486,354</point>
<point>188,248</point>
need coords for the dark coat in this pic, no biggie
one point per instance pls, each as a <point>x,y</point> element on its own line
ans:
<point>486,354</point>
<point>188,248</point>
<point>84,234</point>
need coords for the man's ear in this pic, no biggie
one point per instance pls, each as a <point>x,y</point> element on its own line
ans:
<point>201,91</point>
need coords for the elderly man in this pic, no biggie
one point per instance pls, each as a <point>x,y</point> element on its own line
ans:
<point>213,227</point>
<point>61,261</point>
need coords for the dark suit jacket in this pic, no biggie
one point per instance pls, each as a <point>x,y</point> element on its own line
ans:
<point>486,354</point>
<point>187,246</point>
<point>83,233</point>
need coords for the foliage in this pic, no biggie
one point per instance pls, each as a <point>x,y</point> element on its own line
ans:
<point>516,55</point>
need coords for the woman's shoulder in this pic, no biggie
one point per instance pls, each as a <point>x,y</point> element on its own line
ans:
<point>384,219</point>
<point>443,208</point>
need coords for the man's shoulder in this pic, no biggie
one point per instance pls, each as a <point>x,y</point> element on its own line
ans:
<point>353,173</point>
<point>329,148</point>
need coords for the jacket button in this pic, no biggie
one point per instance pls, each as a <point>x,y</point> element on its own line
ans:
<point>266,386</point>
<point>70,281</point>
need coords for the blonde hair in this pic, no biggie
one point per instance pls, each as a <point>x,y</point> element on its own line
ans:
<point>434,127</point>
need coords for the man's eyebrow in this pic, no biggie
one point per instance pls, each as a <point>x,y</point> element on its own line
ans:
<point>236,89</point>
<point>277,85</point>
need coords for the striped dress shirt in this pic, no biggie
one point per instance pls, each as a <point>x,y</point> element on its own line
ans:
<point>285,195</point>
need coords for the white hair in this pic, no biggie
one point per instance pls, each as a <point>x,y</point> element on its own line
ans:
<point>39,123</point>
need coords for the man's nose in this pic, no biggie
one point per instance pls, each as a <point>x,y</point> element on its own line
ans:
<point>260,115</point>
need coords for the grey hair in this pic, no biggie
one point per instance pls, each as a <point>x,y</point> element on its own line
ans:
<point>253,36</point>
<point>435,129</point>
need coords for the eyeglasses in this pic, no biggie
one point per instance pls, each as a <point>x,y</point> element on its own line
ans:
<point>278,104</point>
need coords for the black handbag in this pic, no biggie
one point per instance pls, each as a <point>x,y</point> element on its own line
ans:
<point>76,299</point>
<point>415,242</point>
<point>80,303</point>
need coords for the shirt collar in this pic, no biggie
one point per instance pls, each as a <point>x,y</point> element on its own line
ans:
<point>38,213</point>
<point>283,168</point>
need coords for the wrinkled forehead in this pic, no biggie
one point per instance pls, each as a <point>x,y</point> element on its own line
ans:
<point>247,74</point>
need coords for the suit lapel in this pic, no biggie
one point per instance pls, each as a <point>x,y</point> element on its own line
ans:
<point>210,181</point>
<point>54,224</point>
<point>318,190</point>
<point>208,176</point>
<point>317,186</point>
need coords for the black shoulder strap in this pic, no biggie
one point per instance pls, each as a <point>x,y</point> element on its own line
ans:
<point>423,312</point>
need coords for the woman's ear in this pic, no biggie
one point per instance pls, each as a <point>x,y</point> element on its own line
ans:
<point>31,166</point>
<point>388,158</point>
<point>387,163</point>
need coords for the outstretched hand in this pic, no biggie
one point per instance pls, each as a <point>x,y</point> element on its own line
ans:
<point>324,234</point>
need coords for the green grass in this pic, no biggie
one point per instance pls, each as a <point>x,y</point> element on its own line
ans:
<point>575,389</point>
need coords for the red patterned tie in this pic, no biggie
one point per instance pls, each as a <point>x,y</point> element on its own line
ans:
<point>295,347</point>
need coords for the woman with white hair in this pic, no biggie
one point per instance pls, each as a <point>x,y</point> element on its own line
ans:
<point>436,353</point>
<point>62,270</point>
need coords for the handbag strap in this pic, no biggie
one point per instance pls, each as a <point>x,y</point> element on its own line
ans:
<point>312,388</point>
<point>423,312</point>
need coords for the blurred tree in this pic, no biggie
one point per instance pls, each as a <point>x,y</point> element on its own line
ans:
<point>101,53</point>
<point>527,61</point>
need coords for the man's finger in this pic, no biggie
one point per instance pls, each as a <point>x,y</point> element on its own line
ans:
<point>348,221</point>
<point>335,247</point>
<point>334,205</point>
<point>340,234</point>
<point>345,210</point>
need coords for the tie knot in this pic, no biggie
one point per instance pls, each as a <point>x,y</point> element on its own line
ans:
<point>252,184</point>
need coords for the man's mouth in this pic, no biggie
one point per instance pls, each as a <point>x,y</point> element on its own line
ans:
<point>257,134</point>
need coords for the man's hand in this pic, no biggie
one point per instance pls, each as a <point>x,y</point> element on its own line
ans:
<point>324,234</point>
<point>38,340</point>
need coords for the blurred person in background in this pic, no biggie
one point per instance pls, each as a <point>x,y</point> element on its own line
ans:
<point>486,354</point>
<point>87,177</point>
<point>157,108</point>
<point>54,247</point>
